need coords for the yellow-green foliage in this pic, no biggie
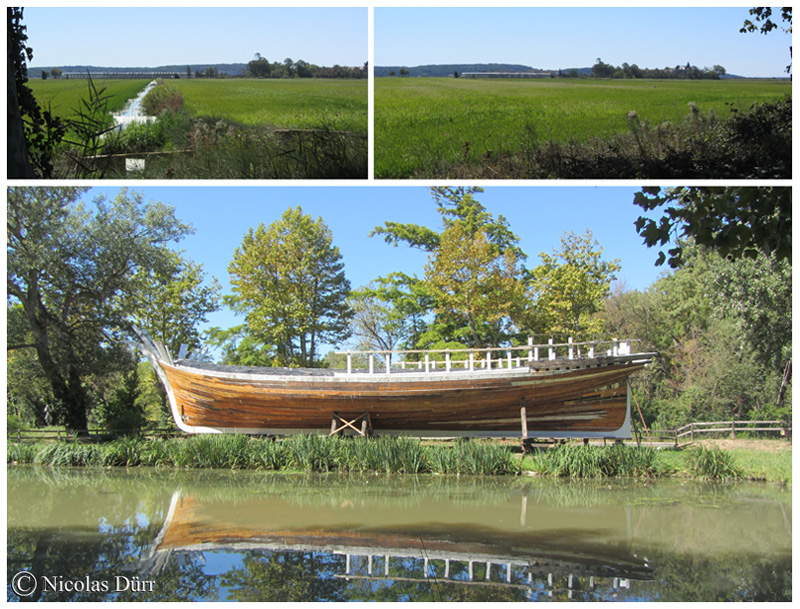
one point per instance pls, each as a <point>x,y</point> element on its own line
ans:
<point>420,119</point>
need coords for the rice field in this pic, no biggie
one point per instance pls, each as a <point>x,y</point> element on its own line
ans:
<point>294,104</point>
<point>64,97</point>
<point>420,122</point>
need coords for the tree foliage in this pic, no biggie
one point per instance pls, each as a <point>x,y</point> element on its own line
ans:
<point>570,287</point>
<point>69,268</point>
<point>722,329</point>
<point>762,22</point>
<point>474,285</point>
<point>735,221</point>
<point>288,281</point>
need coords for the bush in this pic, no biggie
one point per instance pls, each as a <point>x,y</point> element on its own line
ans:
<point>162,98</point>
<point>713,464</point>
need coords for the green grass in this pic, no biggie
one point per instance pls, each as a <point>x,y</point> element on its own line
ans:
<point>294,104</point>
<point>423,123</point>
<point>64,96</point>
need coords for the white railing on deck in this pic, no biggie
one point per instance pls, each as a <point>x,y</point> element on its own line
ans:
<point>485,361</point>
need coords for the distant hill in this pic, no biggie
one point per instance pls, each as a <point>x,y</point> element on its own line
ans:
<point>448,69</point>
<point>231,69</point>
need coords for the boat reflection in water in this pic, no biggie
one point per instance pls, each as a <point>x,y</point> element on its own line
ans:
<point>537,549</point>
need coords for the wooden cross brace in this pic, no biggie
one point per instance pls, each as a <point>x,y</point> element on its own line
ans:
<point>366,424</point>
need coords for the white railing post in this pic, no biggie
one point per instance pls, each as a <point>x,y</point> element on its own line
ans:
<point>388,357</point>
<point>509,359</point>
<point>471,361</point>
<point>419,365</point>
<point>591,350</point>
<point>447,360</point>
<point>403,365</point>
<point>536,354</point>
<point>615,347</point>
<point>530,349</point>
<point>551,352</point>
<point>371,363</point>
<point>488,360</point>
<point>349,363</point>
<point>427,363</point>
<point>571,348</point>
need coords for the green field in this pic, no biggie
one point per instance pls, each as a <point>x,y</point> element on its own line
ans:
<point>296,104</point>
<point>420,122</point>
<point>64,96</point>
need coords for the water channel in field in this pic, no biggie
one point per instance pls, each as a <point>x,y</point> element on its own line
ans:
<point>133,111</point>
<point>148,535</point>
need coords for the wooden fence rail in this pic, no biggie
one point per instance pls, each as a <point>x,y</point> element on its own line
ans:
<point>679,436</point>
<point>21,435</point>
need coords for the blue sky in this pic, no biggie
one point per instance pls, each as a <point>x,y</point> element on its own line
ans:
<point>574,37</point>
<point>539,215</point>
<point>148,37</point>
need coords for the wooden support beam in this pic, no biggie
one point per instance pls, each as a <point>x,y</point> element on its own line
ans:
<point>366,424</point>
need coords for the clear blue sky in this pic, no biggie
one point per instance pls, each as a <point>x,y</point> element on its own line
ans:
<point>574,37</point>
<point>148,37</point>
<point>539,215</point>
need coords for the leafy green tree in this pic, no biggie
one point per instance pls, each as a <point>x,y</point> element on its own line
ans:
<point>171,300</point>
<point>570,287</point>
<point>241,347</point>
<point>289,283</point>
<point>735,221</point>
<point>412,296</point>
<point>475,285</point>
<point>67,268</point>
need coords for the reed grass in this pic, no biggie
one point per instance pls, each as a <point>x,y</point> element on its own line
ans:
<point>388,454</point>
<point>714,464</point>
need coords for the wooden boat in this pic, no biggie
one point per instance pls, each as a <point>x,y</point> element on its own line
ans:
<point>578,395</point>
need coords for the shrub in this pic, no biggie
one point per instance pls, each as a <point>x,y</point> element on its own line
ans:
<point>713,464</point>
<point>162,98</point>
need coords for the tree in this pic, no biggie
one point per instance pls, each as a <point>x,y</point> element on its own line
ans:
<point>33,133</point>
<point>456,206</point>
<point>68,269</point>
<point>288,280</point>
<point>404,72</point>
<point>570,287</point>
<point>55,73</point>
<point>736,221</point>
<point>763,23</point>
<point>475,285</point>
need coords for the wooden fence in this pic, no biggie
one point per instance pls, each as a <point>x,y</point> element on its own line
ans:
<point>36,435</point>
<point>687,434</point>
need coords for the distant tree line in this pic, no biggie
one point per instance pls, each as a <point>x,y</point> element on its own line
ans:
<point>261,67</point>
<point>605,70</point>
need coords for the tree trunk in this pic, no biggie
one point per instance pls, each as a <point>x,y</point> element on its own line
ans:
<point>18,163</point>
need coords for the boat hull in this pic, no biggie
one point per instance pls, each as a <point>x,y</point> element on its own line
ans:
<point>588,400</point>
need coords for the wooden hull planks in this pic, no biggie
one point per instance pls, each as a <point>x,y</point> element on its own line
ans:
<point>586,400</point>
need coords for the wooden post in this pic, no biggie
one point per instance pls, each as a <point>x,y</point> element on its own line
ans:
<point>523,413</point>
<point>334,423</point>
<point>733,430</point>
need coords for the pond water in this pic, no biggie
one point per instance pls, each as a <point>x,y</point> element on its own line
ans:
<point>145,535</point>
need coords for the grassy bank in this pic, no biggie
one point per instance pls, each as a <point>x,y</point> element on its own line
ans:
<point>460,128</point>
<point>405,455</point>
<point>65,97</point>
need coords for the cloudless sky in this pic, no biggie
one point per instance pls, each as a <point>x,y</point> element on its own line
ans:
<point>538,215</point>
<point>574,37</point>
<point>149,37</point>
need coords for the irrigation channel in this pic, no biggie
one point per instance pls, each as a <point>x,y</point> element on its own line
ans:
<point>149,535</point>
<point>133,112</point>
